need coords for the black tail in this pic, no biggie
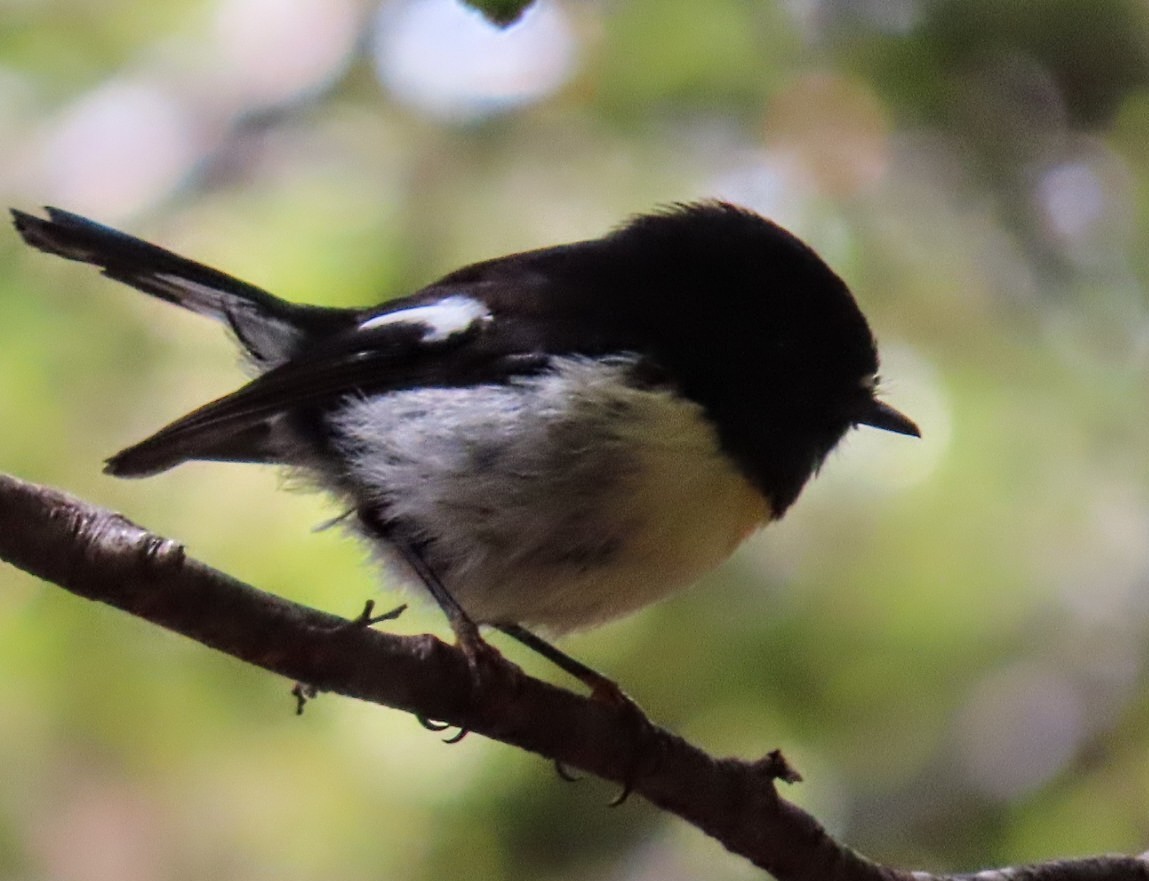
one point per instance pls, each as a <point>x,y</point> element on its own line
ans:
<point>270,329</point>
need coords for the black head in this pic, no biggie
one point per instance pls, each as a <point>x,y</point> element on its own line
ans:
<point>751,323</point>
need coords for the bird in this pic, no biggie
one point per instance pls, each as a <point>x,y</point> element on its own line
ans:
<point>547,440</point>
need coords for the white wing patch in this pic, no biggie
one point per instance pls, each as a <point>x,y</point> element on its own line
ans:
<point>440,321</point>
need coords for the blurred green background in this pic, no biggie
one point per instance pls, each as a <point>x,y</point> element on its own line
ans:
<point>947,637</point>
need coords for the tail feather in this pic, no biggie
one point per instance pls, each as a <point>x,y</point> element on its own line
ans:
<point>270,329</point>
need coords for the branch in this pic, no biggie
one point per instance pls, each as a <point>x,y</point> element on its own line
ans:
<point>99,555</point>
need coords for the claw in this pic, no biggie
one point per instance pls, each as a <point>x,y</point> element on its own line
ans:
<point>623,795</point>
<point>641,740</point>
<point>564,774</point>
<point>432,725</point>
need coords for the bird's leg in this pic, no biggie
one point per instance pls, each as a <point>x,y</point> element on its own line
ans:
<point>466,631</point>
<point>476,649</point>
<point>601,689</point>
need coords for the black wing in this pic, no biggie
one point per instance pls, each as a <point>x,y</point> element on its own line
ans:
<point>395,355</point>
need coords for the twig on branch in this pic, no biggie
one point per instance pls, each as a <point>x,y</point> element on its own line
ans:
<point>101,556</point>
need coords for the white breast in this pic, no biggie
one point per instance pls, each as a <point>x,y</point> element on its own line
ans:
<point>560,501</point>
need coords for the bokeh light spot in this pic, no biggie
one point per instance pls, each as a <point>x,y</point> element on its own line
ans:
<point>448,62</point>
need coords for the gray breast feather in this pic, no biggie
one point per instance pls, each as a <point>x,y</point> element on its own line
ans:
<point>560,500</point>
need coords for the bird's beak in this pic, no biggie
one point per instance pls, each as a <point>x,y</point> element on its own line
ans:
<point>885,417</point>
